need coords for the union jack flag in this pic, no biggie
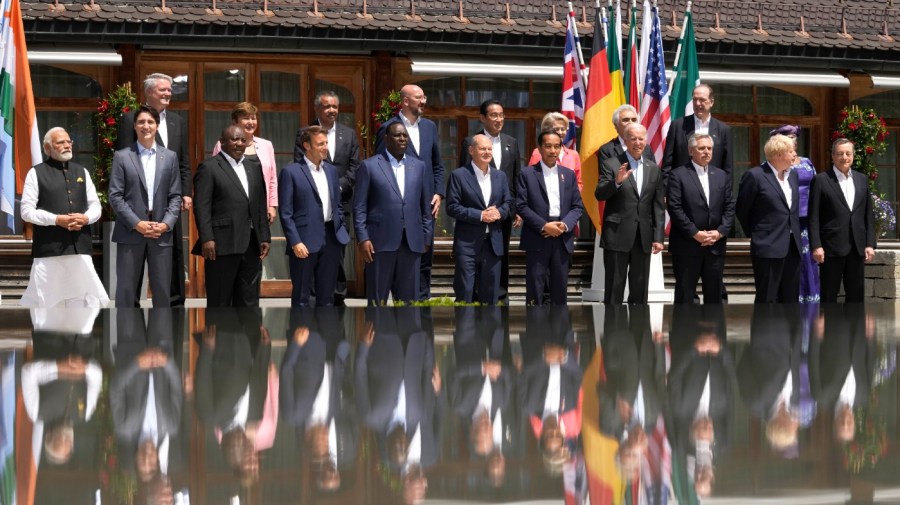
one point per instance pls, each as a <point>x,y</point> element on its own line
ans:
<point>573,94</point>
<point>655,113</point>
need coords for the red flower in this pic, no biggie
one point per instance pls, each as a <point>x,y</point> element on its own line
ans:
<point>126,108</point>
<point>871,115</point>
<point>844,114</point>
<point>104,106</point>
<point>107,142</point>
<point>835,135</point>
<point>870,149</point>
<point>854,126</point>
<point>110,121</point>
<point>873,175</point>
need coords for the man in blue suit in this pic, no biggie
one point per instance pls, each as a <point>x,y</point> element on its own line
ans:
<point>478,199</point>
<point>145,193</point>
<point>550,205</point>
<point>393,219</point>
<point>702,212</point>
<point>423,145</point>
<point>768,208</point>
<point>313,220</point>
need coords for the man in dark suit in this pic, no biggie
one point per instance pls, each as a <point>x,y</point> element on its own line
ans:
<point>550,206</point>
<point>393,219</point>
<point>478,199</point>
<point>171,134</point>
<point>313,221</point>
<point>423,145</point>
<point>507,159</point>
<point>702,212</point>
<point>768,208</point>
<point>701,121</point>
<point>841,225</point>
<point>145,193</point>
<point>634,218</point>
<point>622,117</point>
<point>343,153</point>
<point>232,224</point>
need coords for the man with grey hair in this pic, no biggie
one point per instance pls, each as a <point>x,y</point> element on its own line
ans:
<point>59,199</point>
<point>171,134</point>
<point>700,205</point>
<point>622,117</point>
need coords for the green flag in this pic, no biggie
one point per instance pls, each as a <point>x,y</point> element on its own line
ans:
<point>686,73</point>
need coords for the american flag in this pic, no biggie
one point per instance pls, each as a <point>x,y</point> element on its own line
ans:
<point>655,113</point>
<point>573,95</point>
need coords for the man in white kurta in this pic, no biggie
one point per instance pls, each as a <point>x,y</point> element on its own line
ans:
<point>60,200</point>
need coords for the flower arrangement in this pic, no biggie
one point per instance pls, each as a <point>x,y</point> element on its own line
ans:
<point>388,107</point>
<point>120,100</point>
<point>115,482</point>
<point>870,442</point>
<point>868,132</point>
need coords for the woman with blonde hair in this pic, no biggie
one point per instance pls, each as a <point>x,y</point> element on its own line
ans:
<point>569,158</point>
<point>260,152</point>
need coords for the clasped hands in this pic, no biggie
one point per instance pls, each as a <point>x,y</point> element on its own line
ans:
<point>490,215</point>
<point>72,221</point>
<point>152,358</point>
<point>553,229</point>
<point>151,229</point>
<point>707,238</point>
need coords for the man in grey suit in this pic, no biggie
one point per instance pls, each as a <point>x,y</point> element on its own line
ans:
<point>145,193</point>
<point>634,220</point>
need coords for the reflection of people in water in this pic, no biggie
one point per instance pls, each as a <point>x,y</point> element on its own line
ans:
<point>841,365</point>
<point>700,398</point>
<point>550,384</point>
<point>61,385</point>
<point>769,372</point>
<point>236,387</point>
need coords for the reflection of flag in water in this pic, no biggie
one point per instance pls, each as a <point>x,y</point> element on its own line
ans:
<point>7,424</point>
<point>605,484</point>
<point>575,479</point>
<point>573,83</point>
<point>656,470</point>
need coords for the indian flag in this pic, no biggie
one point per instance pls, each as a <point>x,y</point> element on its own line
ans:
<point>20,146</point>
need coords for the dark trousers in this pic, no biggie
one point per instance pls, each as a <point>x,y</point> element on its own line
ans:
<point>549,263</point>
<point>395,273</point>
<point>481,270</point>
<point>778,279</point>
<point>634,266</point>
<point>424,289</point>
<point>319,269</point>
<point>690,269</point>
<point>177,291</point>
<point>130,273</point>
<point>506,228</point>
<point>851,269</point>
<point>232,280</point>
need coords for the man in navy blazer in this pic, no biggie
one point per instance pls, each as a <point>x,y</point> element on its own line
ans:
<point>313,220</point>
<point>633,220</point>
<point>146,212</point>
<point>423,145</point>
<point>478,199</point>
<point>550,205</point>
<point>676,152</point>
<point>841,225</point>
<point>768,208</point>
<point>702,212</point>
<point>393,219</point>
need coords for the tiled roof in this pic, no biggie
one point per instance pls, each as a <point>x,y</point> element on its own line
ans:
<point>827,29</point>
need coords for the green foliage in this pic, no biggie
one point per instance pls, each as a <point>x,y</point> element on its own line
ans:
<point>121,100</point>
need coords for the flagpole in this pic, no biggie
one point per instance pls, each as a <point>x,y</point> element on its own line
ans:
<point>604,21</point>
<point>582,66</point>
<point>680,42</point>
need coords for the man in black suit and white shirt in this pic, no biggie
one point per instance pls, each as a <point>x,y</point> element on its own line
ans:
<point>702,212</point>
<point>232,224</point>
<point>171,134</point>
<point>508,160</point>
<point>634,219</point>
<point>841,225</point>
<point>701,121</point>
<point>622,117</point>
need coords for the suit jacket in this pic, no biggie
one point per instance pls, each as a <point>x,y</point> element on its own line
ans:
<point>265,151</point>
<point>844,346</point>
<point>224,212</point>
<point>301,207</point>
<point>690,212</point>
<point>479,335</point>
<point>128,194</point>
<point>429,152</point>
<point>614,149</point>
<point>465,203</point>
<point>380,213</point>
<point>533,205</point>
<point>626,213</point>
<point>510,160</point>
<point>178,144</point>
<point>775,348</point>
<point>346,158</point>
<point>764,214</point>
<point>303,370</point>
<point>836,226</point>
<point>676,152</point>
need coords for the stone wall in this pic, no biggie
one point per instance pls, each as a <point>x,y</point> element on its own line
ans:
<point>883,275</point>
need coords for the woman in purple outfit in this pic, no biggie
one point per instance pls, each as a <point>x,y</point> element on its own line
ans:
<point>809,270</point>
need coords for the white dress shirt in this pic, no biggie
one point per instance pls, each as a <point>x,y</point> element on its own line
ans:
<point>484,182</point>
<point>332,140</point>
<point>238,166</point>
<point>785,185</point>
<point>163,128</point>
<point>319,411</point>
<point>703,174</point>
<point>784,397</point>
<point>846,184</point>
<point>551,181</point>
<point>321,181</point>
<point>412,129</point>
<point>399,168</point>
<point>703,404</point>
<point>241,412</point>
<point>847,395</point>
<point>148,163</point>
<point>551,401</point>
<point>701,126</point>
<point>637,166</point>
<point>31,192</point>
<point>497,147</point>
